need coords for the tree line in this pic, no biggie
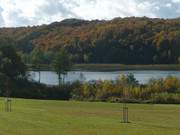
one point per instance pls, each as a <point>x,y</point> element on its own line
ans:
<point>121,40</point>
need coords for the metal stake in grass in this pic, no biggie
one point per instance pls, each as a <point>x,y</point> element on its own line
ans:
<point>125,113</point>
<point>8,105</point>
<point>7,99</point>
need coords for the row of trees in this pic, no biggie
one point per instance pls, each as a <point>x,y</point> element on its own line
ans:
<point>127,41</point>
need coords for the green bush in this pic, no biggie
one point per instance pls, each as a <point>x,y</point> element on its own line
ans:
<point>156,91</point>
<point>165,98</point>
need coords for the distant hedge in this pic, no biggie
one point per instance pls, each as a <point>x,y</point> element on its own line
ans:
<point>124,89</point>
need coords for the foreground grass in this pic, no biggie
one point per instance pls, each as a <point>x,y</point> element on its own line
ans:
<point>38,117</point>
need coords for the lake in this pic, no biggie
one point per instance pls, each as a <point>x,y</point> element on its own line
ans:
<point>143,76</point>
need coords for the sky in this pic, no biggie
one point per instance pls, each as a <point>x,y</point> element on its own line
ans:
<point>16,13</point>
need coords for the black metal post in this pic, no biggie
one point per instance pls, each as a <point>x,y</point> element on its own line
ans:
<point>8,105</point>
<point>125,118</point>
<point>7,99</point>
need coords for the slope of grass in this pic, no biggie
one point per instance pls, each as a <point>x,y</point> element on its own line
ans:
<point>38,117</point>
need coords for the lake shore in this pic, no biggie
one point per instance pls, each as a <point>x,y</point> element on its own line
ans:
<point>114,67</point>
<point>117,67</point>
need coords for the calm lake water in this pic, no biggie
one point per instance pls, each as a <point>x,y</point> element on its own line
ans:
<point>51,78</point>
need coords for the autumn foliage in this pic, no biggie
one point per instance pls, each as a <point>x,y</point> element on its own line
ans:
<point>121,40</point>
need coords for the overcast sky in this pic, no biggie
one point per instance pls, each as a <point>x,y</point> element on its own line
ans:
<point>14,13</point>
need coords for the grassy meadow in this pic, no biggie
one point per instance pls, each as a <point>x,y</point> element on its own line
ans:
<point>43,117</point>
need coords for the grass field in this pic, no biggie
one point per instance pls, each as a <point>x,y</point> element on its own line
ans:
<point>38,117</point>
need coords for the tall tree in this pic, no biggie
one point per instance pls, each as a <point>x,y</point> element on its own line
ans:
<point>62,64</point>
<point>11,66</point>
<point>37,60</point>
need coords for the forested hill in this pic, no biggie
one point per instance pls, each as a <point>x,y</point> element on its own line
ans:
<point>121,40</point>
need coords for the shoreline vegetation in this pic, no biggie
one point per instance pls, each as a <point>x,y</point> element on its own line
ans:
<point>113,67</point>
<point>125,89</point>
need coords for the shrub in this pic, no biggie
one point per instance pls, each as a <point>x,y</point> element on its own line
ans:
<point>156,91</point>
<point>165,98</point>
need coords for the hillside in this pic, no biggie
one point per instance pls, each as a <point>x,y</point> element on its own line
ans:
<point>121,40</point>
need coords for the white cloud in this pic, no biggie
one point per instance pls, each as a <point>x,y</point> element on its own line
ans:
<point>168,5</point>
<point>176,1</point>
<point>106,9</point>
<point>35,12</point>
<point>19,12</point>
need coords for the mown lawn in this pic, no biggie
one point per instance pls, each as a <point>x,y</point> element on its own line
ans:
<point>38,117</point>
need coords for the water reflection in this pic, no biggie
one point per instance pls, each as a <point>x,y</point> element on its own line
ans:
<point>51,78</point>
